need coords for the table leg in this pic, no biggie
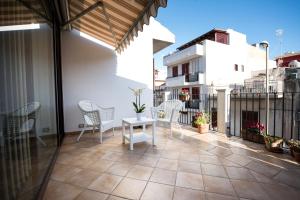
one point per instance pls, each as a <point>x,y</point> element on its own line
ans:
<point>123,132</point>
<point>131,137</point>
<point>144,127</point>
<point>153,133</point>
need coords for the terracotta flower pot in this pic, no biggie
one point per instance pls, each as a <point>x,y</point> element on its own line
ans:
<point>203,128</point>
<point>296,155</point>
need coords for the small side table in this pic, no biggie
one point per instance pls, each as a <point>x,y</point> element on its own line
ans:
<point>142,136</point>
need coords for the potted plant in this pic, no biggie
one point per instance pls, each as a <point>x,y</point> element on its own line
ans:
<point>202,122</point>
<point>254,132</point>
<point>273,143</point>
<point>184,95</point>
<point>138,108</point>
<point>294,148</point>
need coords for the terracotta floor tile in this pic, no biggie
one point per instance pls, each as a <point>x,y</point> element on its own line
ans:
<point>213,170</point>
<point>112,156</point>
<point>84,178</point>
<point>61,191</point>
<point>281,192</point>
<point>170,154</point>
<point>289,177</point>
<point>91,195</point>
<point>214,196</point>
<point>115,198</point>
<point>220,151</point>
<point>140,172</point>
<point>100,165</point>
<point>262,168</point>
<point>193,167</point>
<point>218,185</point>
<point>120,169</point>
<point>130,188</point>
<point>163,176</point>
<point>156,191</point>
<point>167,164</point>
<point>63,172</point>
<point>105,183</point>
<point>239,159</point>
<point>189,180</point>
<point>192,157</point>
<point>239,173</point>
<point>188,194</point>
<point>148,161</point>
<point>209,159</point>
<point>251,190</point>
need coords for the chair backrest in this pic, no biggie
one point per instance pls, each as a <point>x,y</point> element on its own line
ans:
<point>168,106</point>
<point>90,112</point>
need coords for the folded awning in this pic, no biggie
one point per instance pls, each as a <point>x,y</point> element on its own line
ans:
<point>115,22</point>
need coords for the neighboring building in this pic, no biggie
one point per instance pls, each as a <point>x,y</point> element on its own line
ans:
<point>159,87</point>
<point>291,59</point>
<point>216,59</point>
<point>257,82</point>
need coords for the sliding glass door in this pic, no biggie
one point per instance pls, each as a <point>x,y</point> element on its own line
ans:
<point>28,110</point>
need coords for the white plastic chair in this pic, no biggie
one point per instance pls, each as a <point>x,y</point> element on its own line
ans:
<point>171,111</point>
<point>96,117</point>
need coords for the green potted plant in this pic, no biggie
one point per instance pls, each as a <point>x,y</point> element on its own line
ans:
<point>202,122</point>
<point>138,108</point>
<point>184,95</point>
<point>273,143</point>
<point>294,148</point>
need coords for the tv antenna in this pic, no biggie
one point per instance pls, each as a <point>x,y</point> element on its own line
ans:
<point>279,33</point>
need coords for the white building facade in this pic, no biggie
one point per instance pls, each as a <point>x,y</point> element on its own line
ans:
<point>216,59</point>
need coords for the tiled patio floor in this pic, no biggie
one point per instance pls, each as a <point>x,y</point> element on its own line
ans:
<point>207,166</point>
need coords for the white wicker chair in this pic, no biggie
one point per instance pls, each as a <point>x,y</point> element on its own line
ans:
<point>96,117</point>
<point>170,110</point>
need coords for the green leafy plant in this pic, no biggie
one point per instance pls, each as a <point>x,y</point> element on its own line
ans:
<point>138,108</point>
<point>201,118</point>
<point>294,145</point>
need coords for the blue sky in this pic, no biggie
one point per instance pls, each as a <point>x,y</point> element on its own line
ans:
<point>258,19</point>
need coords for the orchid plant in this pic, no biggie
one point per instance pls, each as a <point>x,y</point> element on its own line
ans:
<point>138,108</point>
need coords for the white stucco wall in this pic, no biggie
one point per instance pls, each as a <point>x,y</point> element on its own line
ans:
<point>91,71</point>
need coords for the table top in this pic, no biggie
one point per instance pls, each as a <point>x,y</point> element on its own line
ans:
<point>134,121</point>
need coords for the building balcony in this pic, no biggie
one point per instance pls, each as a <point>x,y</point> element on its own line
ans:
<point>188,79</point>
<point>184,55</point>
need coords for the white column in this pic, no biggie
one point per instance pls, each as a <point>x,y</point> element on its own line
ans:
<point>222,109</point>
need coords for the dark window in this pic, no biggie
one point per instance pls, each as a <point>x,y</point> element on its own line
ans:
<point>195,92</point>
<point>236,67</point>
<point>185,68</point>
<point>175,71</point>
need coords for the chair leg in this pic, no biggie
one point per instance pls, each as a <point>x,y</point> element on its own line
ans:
<point>100,137</point>
<point>80,134</point>
<point>100,132</point>
<point>181,137</point>
<point>113,131</point>
<point>171,130</point>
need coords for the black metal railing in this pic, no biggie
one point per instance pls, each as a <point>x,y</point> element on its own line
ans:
<point>204,103</point>
<point>191,77</point>
<point>284,113</point>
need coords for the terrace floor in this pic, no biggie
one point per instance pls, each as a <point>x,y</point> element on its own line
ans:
<point>206,166</point>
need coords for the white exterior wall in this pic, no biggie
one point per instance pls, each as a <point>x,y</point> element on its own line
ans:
<point>91,71</point>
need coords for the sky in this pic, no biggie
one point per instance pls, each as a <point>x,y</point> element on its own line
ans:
<point>258,19</point>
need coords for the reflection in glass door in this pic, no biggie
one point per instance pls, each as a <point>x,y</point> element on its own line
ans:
<point>28,129</point>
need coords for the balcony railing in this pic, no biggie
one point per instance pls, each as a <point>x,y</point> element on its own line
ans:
<point>191,77</point>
